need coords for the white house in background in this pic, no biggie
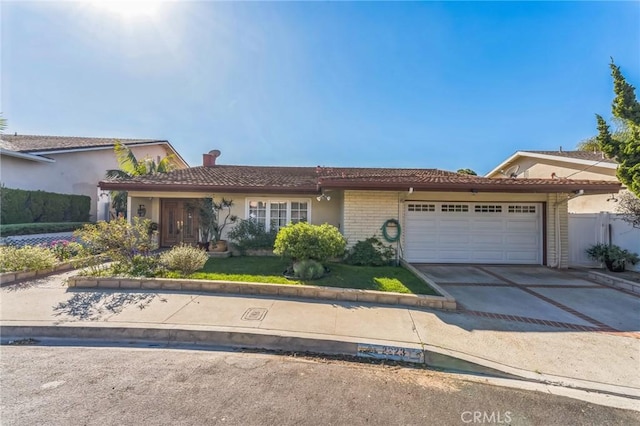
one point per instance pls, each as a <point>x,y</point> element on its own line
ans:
<point>71,165</point>
<point>592,217</point>
<point>564,165</point>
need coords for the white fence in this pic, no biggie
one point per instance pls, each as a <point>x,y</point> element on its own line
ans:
<point>586,229</point>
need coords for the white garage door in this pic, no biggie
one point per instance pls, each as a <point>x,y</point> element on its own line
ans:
<point>452,232</point>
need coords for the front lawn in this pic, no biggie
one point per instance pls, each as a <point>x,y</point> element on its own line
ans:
<point>270,269</point>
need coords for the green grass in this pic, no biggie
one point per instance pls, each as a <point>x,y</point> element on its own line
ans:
<point>270,270</point>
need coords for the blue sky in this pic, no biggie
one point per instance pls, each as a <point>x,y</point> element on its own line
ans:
<point>445,85</point>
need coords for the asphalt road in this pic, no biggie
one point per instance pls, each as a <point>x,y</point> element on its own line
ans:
<point>127,386</point>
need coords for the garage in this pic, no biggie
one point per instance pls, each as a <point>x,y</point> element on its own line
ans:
<point>463,232</point>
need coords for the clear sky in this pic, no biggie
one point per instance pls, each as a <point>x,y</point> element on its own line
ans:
<point>446,85</point>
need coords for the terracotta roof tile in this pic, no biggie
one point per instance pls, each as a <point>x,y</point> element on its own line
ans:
<point>36,143</point>
<point>313,179</point>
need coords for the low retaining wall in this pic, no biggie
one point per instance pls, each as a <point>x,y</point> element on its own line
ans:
<point>283,290</point>
<point>616,282</point>
<point>7,278</point>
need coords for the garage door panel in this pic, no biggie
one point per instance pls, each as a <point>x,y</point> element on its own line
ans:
<point>475,233</point>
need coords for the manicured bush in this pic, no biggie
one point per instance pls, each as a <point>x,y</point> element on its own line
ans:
<point>301,241</point>
<point>22,206</point>
<point>27,258</point>
<point>184,258</point>
<point>308,269</point>
<point>39,228</point>
<point>370,252</point>
<point>250,234</point>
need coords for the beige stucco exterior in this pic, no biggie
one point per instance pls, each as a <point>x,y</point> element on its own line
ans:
<point>537,167</point>
<point>75,172</point>
<point>321,211</point>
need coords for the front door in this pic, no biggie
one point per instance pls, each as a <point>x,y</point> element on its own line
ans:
<point>179,223</point>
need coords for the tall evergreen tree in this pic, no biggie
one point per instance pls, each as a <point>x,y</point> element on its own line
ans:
<point>626,150</point>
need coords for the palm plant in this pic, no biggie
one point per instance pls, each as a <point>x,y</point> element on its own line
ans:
<point>130,166</point>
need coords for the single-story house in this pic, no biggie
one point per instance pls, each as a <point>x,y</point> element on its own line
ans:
<point>71,165</point>
<point>565,165</point>
<point>445,217</point>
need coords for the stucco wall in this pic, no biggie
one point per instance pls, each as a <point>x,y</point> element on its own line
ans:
<point>321,211</point>
<point>543,168</point>
<point>72,173</point>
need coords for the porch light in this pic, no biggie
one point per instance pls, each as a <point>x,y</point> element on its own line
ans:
<point>142,211</point>
<point>323,196</point>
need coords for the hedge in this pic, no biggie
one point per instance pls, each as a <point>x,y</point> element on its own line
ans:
<point>38,228</point>
<point>22,206</point>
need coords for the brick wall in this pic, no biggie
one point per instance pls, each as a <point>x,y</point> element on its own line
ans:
<point>366,211</point>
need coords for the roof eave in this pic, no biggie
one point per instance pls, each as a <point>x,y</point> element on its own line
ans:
<point>518,154</point>
<point>127,186</point>
<point>26,156</point>
<point>590,188</point>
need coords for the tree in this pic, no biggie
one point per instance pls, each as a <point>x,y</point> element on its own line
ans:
<point>629,207</point>
<point>593,145</point>
<point>467,172</point>
<point>130,166</point>
<point>3,122</point>
<point>625,149</point>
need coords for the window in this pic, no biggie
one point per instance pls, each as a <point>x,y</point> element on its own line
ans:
<point>522,209</point>
<point>454,208</point>
<point>274,214</point>
<point>421,207</point>
<point>487,208</point>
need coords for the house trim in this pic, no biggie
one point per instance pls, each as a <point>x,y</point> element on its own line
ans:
<point>515,156</point>
<point>24,156</point>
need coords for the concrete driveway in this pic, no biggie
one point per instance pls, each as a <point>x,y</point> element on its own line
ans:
<point>538,295</point>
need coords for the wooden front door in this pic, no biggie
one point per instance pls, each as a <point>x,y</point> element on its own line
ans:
<point>179,223</point>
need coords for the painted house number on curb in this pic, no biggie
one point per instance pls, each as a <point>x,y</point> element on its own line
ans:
<point>390,352</point>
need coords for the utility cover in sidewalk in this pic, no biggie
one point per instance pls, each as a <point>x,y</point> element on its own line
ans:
<point>254,314</point>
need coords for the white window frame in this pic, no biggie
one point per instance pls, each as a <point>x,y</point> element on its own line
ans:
<point>268,202</point>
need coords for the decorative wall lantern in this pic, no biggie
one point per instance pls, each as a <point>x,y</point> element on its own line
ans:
<point>142,211</point>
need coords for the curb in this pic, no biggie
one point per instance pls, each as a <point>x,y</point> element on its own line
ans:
<point>234,338</point>
<point>282,290</point>
<point>615,282</point>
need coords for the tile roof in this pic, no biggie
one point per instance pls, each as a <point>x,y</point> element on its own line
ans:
<point>265,179</point>
<point>36,143</point>
<point>578,155</point>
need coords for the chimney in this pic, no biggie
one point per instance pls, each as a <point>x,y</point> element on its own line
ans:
<point>209,159</point>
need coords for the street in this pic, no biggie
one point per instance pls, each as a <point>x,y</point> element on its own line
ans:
<point>153,386</point>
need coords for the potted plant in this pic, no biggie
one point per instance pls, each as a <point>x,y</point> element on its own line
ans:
<point>221,218</point>
<point>614,257</point>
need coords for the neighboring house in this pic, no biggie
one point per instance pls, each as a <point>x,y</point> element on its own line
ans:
<point>564,165</point>
<point>445,217</point>
<point>592,217</point>
<point>71,165</point>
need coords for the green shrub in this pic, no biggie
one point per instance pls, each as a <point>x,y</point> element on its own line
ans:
<point>27,258</point>
<point>38,228</point>
<point>370,252</point>
<point>140,266</point>
<point>118,239</point>
<point>301,241</point>
<point>65,249</point>
<point>250,234</point>
<point>308,269</point>
<point>22,206</point>
<point>184,258</point>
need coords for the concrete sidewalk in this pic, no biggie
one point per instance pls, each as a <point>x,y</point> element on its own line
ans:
<point>603,362</point>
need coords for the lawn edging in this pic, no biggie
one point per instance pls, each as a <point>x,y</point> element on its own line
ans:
<point>282,290</point>
<point>615,282</point>
<point>7,278</point>
<point>448,297</point>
